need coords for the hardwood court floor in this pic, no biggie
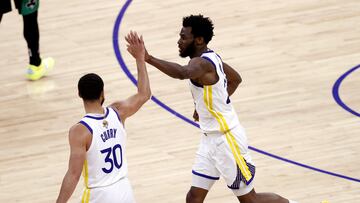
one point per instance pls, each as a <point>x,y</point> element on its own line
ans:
<point>289,53</point>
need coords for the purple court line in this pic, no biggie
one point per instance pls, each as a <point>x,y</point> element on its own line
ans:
<point>336,88</point>
<point>157,101</point>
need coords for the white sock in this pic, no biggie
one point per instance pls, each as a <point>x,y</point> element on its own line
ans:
<point>291,201</point>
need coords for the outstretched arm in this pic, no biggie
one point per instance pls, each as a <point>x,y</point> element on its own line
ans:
<point>233,78</point>
<point>77,140</point>
<point>171,69</point>
<point>132,104</point>
<point>196,68</point>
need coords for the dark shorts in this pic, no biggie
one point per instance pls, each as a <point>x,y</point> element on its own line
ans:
<point>28,7</point>
<point>5,5</point>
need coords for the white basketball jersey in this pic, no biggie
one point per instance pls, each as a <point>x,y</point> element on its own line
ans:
<point>212,102</point>
<point>105,161</point>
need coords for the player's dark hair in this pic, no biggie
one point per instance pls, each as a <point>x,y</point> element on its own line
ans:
<point>200,26</point>
<point>90,86</point>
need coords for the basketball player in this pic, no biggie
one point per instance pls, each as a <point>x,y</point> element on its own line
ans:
<point>223,149</point>
<point>98,141</point>
<point>28,9</point>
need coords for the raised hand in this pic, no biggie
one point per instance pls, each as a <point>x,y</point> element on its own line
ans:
<point>135,45</point>
<point>147,55</point>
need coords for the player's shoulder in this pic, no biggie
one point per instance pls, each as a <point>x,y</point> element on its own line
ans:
<point>200,61</point>
<point>79,135</point>
<point>117,107</point>
<point>114,106</point>
<point>80,129</point>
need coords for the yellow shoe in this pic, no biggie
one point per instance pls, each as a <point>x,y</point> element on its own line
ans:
<point>37,72</point>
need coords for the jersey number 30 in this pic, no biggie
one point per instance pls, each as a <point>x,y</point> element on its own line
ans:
<point>113,157</point>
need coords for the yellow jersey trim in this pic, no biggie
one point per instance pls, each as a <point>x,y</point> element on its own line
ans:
<point>224,128</point>
<point>86,195</point>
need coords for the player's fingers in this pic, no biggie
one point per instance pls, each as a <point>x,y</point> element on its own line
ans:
<point>141,39</point>
<point>131,37</point>
<point>127,39</point>
<point>137,37</point>
<point>134,36</point>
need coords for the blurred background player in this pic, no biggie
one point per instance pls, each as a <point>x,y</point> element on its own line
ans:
<point>98,141</point>
<point>29,10</point>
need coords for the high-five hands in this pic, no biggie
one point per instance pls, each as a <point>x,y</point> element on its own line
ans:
<point>135,45</point>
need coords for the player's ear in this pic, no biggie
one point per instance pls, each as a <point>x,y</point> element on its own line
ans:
<point>102,97</point>
<point>199,40</point>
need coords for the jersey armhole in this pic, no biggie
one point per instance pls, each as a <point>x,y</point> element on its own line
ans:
<point>91,132</point>
<point>208,59</point>
<point>196,84</point>
<point>87,126</point>
<point>118,116</point>
<point>213,64</point>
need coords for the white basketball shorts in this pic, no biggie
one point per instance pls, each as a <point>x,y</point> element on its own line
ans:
<point>226,155</point>
<point>119,192</point>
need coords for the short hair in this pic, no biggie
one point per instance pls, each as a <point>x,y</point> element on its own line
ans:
<point>201,26</point>
<point>90,86</point>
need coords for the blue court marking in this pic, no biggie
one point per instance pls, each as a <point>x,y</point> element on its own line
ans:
<point>157,101</point>
<point>336,88</point>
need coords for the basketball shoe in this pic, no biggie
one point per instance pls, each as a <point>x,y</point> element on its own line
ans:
<point>37,72</point>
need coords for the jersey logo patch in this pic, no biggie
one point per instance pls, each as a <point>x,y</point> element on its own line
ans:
<point>105,124</point>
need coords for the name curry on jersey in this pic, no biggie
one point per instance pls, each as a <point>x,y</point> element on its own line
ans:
<point>107,134</point>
